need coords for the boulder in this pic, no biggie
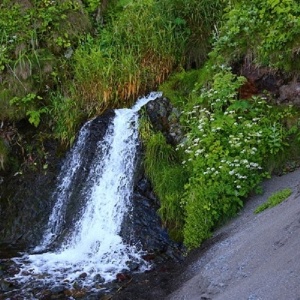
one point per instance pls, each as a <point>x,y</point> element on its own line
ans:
<point>164,117</point>
<point>290,93</point>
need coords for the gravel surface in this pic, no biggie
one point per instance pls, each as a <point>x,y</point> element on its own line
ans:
<point>255,257</point>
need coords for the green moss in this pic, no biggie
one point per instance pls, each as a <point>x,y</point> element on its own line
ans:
<point>274,200</point>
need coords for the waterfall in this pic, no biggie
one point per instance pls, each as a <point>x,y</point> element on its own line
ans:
<point>62,192</point>
<point>94,247</point>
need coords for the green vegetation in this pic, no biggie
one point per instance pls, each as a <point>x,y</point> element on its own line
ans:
<point>163,167</point>
<point>50,48</point>
<point>60,65</point>
<point>231,144</point>
<point>274,200</point>
<point>229,147</point>
<point>265,31</point>
<point>227,143</point>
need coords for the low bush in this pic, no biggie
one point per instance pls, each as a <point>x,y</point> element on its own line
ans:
<point>267,31</point>
<point>227,149</point>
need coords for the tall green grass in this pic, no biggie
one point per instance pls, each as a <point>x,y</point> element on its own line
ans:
<point>134,54</point>
<point>163,168</point>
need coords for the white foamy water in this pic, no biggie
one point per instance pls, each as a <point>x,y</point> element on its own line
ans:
<point>95,246</point>
<point>62,193</point>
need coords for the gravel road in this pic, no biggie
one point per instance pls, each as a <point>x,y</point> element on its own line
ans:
<point>256,257</point>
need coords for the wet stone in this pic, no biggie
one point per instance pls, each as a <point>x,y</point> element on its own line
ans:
<point>13,271</point>
<point>122,277</point>
<point>57,289</point>
<point>98,278</point>
<point>74,293</point>
<point>77,285</point>
<point>133,266</point>
<point>83,275</point>
<point>5,286</point>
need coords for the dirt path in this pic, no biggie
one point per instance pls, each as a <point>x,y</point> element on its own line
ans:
<point>256,257</point>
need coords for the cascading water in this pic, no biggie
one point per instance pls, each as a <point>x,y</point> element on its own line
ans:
<point>61,195</point>
<point>94,247</point>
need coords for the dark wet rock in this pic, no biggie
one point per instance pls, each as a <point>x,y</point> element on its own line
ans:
<point>259,79</point>
<point>164,117</point>
<point>58,289</point>
<point>21,218</point>
<point>5,286</point>
<point>122,277</point>
<point>143,228</point>
<point>98,278</point>
<point>133,266</point>
<point>83,275</point>
<point>75,293</point>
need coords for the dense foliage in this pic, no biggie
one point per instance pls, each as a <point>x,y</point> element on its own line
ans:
<point>266,31</point>
<point>62,62</point>
<point>231,144</point>
<point>227,144</point>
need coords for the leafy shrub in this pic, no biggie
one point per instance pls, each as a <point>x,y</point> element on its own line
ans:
<point>34,37</point>
<point>225,148</point>
<point>274,200</point>
<point>29,104</point>
<point>268,29</point>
